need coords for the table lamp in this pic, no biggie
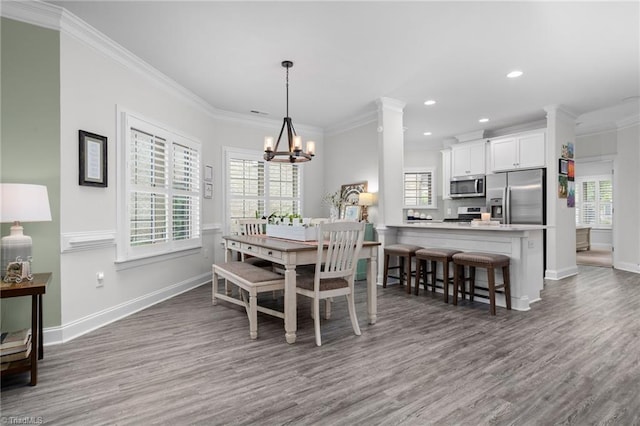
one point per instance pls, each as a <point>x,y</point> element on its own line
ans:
<point>20,202</point>
<point>365,199</point>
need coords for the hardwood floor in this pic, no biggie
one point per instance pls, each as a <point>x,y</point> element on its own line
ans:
<point>573,359</point>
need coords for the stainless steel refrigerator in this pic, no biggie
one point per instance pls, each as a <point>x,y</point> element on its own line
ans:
<point>517,197</point>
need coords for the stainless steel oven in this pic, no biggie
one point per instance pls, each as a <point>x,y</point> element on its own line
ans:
<point>468,186</point>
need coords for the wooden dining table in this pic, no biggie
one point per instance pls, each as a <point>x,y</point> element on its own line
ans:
<point>292,253</point>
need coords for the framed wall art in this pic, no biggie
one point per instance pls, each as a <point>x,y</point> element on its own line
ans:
<point>352,213</point>
<point>92,159</point>
<point>351,192</point>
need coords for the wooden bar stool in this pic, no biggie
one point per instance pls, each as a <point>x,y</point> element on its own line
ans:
<point>405,253</point>
<point>490,261</point>
<point>433,256</point>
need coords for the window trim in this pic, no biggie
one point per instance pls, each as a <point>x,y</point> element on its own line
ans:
<point>434,182</point>
<point>597,178</point>
<point>124,251</point>
<point>247,154</point>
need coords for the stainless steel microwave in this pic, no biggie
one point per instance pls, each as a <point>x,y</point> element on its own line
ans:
<point>468,186</point>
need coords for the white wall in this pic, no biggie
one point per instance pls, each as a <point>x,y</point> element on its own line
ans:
<point>626,203</point>
<point>351,157</point>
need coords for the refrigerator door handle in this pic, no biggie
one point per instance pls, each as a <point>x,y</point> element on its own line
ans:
<point>504,205</point>
<point>508,205</point>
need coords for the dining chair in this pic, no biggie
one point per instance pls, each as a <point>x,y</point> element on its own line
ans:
<point>335,269</point>
<point>254,227</point>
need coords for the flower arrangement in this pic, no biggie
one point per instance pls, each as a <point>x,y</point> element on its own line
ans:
<point>333,199</point>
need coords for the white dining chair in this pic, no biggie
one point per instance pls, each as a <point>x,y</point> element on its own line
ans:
<point>334,269</point>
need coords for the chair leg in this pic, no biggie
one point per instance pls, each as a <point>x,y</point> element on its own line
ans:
<point>420,266</point>
<point>491,276</point>
<point>445,280</point>
<point>408,274</point>
<point>401,269</point>
<point>472,282</point>
<point>352,314</point>
<point>386,271</point>
<point>327,308</point>
<point>253,316</point>
<point>507,285</point>
<point>434,273</point>
<point>456,281</point>
<point>316,319</point>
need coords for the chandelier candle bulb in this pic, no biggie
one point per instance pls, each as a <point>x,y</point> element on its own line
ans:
<point>311,148</point>
<point>297,143</point>
<point>268,143</point>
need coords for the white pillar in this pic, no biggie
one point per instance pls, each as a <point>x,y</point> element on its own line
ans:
<point>561,220</point>
<point>391,160</point>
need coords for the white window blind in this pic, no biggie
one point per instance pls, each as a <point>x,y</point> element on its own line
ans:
<point>418,189</point>
<point>257,188</point>
<point>594,201</point>
<point>161,197</point>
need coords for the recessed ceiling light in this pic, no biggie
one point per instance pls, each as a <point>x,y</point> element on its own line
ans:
<point>429,102</point>
<point>514,74</point>
<point>483,120</point>
<point>427,133</point>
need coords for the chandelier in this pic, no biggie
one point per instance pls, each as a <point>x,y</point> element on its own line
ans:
<point>295,153</point>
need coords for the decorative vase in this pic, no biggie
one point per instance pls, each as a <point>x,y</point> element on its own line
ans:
<point>334,213</point>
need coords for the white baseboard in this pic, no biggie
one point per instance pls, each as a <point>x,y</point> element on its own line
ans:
<point>71,330</point>
<point>560,273</point>
<point>626,266</point>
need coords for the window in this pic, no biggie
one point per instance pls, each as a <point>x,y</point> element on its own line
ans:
<point>256,187</point>
<point>159,205</point>
<point>594,201</point>
<point>418,189</point>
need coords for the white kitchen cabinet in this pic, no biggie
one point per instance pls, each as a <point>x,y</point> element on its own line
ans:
<point>523,151</point>
<point>468,159</point>
<point>446,174</point>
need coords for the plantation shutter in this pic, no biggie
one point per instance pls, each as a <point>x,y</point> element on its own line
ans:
<point>246,188</point>
<point>186,192</point>
<point>418,189</point>
<point>148,204</point>
<point>594,201</point>
<point>284,191</point>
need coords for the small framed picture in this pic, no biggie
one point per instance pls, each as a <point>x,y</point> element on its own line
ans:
<point>92,159</point>
<point>208,190</point>
<point>571,170</point>
<point>563,166</point>
<point>208,173</point>
<point>352,213</point>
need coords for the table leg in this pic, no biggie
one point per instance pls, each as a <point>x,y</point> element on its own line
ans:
<point>40,333</point>
<point>35,339</point>
<point>372,295</point>
<point>290,314</point>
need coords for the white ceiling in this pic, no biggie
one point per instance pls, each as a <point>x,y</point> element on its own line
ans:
<point>584,56</point>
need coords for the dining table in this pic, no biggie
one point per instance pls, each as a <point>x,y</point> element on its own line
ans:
<point>291,254</point>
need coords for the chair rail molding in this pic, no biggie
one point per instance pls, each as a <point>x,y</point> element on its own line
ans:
<point>90,240</point>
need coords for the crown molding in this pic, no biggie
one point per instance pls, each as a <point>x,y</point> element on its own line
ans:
<point>53,17</point>
<point>37,13</point>
<point>631,121</point>
<point>389,103</point>
<point>353,123</point>
<point>560,111</point>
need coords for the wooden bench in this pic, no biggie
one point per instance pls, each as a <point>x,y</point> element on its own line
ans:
<point>251,279</point>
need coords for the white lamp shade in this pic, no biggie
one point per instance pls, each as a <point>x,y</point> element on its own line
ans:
<point>24,203</point>
<point>365,199</point>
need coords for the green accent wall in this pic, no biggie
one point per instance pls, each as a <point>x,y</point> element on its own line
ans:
<point>30,149</point>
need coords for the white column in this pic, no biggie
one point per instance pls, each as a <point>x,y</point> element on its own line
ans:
<point>391,160</point>
<point>561,220</point>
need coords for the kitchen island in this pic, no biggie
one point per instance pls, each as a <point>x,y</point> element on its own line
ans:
<point>524,244</point>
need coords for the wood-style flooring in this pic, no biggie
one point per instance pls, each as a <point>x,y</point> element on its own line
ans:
<point>573,359</point>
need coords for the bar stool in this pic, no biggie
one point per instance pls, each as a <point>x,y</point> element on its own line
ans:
<point>490,261</point>
<point>433,256</point>
<point>405,253</point>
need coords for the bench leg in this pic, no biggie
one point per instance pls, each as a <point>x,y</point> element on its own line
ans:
<point>253,315</point>
<point>214,288</point>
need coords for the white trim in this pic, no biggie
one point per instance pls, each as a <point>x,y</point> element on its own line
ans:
<point>627,266</point>
<point>91,240</point>
<point>596,159</point>
<point>211,228</point>
<point>390,104</point>
<point>37,13</point>
<point>560,273</point>
<point>631,121</point>
<point>353,123</point>
<point>79,327</point>
<point>154,258</point>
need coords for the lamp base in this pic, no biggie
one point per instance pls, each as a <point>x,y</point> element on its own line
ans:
<point>16,245</point>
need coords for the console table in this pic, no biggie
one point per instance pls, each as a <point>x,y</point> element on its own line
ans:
<point>35,288</point>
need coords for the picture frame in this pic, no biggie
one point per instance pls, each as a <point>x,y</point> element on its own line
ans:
<point>571,170</point>
<point>352,213</point>
<point>208,190</point>
<point>563,166</point>
<point>92,159</point>
<point>350,193</point>
<point>208,173</point>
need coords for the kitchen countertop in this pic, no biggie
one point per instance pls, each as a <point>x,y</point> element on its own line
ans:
<point>468,226</point>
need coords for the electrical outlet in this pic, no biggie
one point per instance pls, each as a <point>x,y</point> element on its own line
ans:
<point>100,279</point>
